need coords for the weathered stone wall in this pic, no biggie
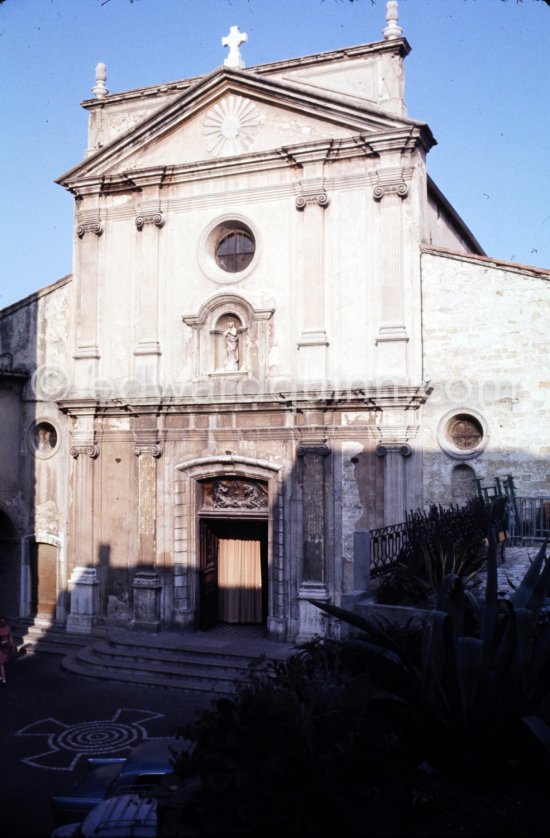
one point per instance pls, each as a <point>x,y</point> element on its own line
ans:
<point>486,350</point>
<point>36,333</point>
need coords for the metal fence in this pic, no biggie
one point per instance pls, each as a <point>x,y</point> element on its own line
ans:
<point>529,520</point>
<point>385,545</point>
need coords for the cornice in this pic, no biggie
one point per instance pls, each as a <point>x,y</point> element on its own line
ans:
<point>486,261</point>
<point>319,104</point>
<point>391,396</point>
<point>362,147</point>
<point>398,45</point>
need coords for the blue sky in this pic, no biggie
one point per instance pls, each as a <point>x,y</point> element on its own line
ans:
<point>478,74</point>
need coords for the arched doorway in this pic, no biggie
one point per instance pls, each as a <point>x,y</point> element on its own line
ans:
<point>200,498</point>
<point>9,567</point>
<point>233,534</point>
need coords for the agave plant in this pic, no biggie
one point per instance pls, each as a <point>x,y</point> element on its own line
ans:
<point>473,699</point>
<point>440,542</point>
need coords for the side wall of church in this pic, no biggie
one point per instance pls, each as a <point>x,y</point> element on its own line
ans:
<point>34,486</point>
<point>486,329</point>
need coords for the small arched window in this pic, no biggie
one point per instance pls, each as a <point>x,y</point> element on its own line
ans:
<point>463,484</point>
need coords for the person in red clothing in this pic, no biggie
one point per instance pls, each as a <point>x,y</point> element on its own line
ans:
<point>7,647</point>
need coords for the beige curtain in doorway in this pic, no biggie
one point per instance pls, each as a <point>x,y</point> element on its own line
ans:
<point>239,580</point>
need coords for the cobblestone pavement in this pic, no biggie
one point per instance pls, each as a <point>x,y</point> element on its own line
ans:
<point>513,569</point>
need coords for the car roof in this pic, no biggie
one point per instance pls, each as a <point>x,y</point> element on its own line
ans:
<point>152,756</point>
<point>121,816</point>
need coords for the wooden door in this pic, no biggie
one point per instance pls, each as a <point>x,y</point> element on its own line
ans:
<point>44,579</point>
<point>208,609</point>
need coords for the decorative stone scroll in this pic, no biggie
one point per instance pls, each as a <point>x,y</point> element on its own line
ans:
<point>320,198</point>
<point>155,218</point>
<point>400,189</point>
<point>390,181</point>
<point>89,227</point>
<point>153,450</point>
<point>238,494</point>
<point>90,449</point>
<point>405,450</point>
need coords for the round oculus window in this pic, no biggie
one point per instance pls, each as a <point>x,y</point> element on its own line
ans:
<point>229,249</point>
<point>465,432</point>
<point>235,250</point>
<point>462,434</point>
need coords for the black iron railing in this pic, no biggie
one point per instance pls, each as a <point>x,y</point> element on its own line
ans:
<point>529,520</point>
<point>385,545</point>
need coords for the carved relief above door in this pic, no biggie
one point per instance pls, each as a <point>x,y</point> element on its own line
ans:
<point>235,494</point>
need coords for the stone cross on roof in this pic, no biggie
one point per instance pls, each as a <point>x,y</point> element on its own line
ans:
<point>233,41</point>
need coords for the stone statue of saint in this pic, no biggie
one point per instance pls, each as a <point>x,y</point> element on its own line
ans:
<point>231,336</point>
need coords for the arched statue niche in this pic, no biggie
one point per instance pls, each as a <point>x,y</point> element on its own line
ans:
<point>229,339</point>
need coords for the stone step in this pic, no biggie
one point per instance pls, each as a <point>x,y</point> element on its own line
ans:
<point>211,662</point>
<point>47,639</point>
<point>184,668</point>
<point>85,664</point>
<point>183,658</point>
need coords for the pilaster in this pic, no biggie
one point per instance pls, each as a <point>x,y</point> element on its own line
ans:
<point>147,449</point>
<point>89,231</point>
<point>390,189</point>
<point>84,450</point>
<point>313,583</point>
<point>312,201</point>
<point>149,221</point>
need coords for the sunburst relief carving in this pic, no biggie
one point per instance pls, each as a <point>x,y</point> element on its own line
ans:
<point>231,126</point>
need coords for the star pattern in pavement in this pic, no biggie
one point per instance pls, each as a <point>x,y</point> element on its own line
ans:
<point>67,744</point>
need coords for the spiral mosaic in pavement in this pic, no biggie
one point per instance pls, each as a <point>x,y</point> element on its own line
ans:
<point>66,744</point>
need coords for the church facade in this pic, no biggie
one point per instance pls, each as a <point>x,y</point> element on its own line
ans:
<point>277,332</point>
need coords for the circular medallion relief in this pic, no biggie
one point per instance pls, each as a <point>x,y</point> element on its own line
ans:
<point>43,439</point>
<point>231,126</point>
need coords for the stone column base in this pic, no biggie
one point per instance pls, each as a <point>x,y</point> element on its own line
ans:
<point>84,600</point>
<point>147,587</point>
<point>277,629</point>
<point>312,619</point>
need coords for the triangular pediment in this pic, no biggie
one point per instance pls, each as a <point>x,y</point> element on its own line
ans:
<point>231,113</point>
